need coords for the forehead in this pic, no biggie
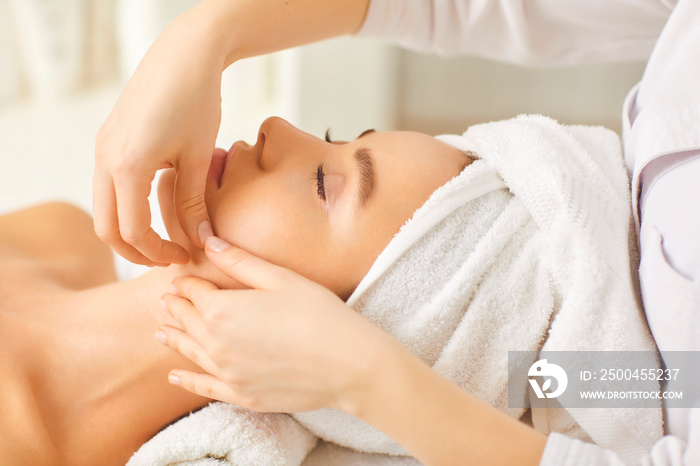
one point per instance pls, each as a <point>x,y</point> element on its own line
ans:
<point>408,167</point>
<point>412,152</point>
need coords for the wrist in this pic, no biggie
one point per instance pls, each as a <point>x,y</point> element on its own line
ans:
<point>247,28</point>
<point>385,365</point>
<point>201,30</point>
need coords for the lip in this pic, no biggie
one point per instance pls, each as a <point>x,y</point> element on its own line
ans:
<point>216,167</point>
<point>219,162</point>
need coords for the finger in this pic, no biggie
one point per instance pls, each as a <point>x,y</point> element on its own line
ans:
<point>106,222</point>
<point>187,347</point>
<point>244,267</point>
<point>195,289</point>
<point>163,316</point>
<point>190,185</point>
<point>134,216</point>
<point>187,316</point>
<point>204,385</point>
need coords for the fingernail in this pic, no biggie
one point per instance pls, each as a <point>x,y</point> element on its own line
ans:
<point>161,337</point>
<point>204,231</point>
<point>216,244</point>
<point>174,379</point>
<point>174,289</point>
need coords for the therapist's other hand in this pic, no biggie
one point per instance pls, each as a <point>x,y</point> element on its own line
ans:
<point>168,116</point>
<point>285,345</point>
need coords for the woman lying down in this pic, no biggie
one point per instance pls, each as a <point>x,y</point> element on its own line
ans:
<point>513,236</point>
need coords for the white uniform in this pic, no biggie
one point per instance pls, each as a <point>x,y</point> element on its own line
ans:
<point>661,137</point>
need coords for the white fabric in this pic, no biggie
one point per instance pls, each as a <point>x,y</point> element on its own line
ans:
<point>226,434</point>
<point>674,210</point>
<point>661,124</point>
<point>492,275</point>
<point>669,451</point>
<point>660,120</point>
<point>473,183</point>
<point>540,32</point>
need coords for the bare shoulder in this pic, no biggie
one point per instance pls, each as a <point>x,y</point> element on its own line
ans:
<point>59,238</point>
<point>23,443</point>
<point>24,439</point>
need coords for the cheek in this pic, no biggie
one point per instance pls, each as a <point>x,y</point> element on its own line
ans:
<point>285,231</point>
<point>260,228</point>
<point>270,224</point>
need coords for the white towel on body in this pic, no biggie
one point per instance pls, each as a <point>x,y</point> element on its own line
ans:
<point>527,249</point>
<point>225,434</point>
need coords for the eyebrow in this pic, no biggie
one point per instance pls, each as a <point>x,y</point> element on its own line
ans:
<point>365,170</point>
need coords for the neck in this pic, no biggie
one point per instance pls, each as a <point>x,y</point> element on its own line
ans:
<point>111,391</point>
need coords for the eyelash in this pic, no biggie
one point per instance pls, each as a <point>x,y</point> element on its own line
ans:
<point>320,187</point>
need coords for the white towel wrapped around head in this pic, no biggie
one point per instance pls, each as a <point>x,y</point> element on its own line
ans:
<point>535,231</point>
<point>527,249</point>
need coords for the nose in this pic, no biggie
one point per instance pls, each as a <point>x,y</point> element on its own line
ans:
<point>282,142</point>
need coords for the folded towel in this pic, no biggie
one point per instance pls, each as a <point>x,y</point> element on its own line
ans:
<point>527,249</point>
<point>225,434</point>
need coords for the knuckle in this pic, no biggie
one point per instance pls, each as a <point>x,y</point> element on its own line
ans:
<point>214,349</point>
<point>127,165</point>
<point>237,256</point>
<point>175,343</point>
<point>209,323</point>
<point>194,204</point>
<point>130,234</point>
<point>104,232</point>
<point>199,387</point>
<point>235,379</point>
<point>197,357</point>
<point>282,275</point>
<point>215,314</point>
<point>101,143</point>
<point>180,282</point>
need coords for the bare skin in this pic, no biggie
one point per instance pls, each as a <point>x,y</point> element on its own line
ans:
<point>84,382</point>
<point>161,122</point>
<point>87,380</point>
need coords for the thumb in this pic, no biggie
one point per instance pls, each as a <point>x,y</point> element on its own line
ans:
<point>190,186</point>
<point>244,267</point>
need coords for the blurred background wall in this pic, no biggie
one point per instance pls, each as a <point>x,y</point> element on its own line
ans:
<point>64,62</point>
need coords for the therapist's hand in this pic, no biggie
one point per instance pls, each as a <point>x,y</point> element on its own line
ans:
<point>285,345</point>
<point>168,116</point>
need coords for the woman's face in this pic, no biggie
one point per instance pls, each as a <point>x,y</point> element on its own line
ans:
<point>323,209</point>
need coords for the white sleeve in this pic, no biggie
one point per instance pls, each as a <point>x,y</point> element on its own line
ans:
<point>542,32</point>
<point>669,451</point>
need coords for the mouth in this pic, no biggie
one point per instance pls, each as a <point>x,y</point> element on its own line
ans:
<point>217,167</point>
<point>220,159</point>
